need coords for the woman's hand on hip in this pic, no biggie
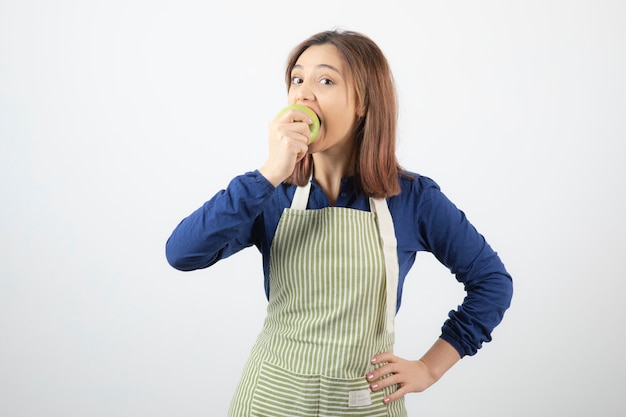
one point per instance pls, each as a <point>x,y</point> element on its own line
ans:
<point>412,376</point>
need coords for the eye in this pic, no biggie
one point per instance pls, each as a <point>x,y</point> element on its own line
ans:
<point>296,80</point>
<point>326,81</point>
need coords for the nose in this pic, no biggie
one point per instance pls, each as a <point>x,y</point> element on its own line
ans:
<point>304,92</point>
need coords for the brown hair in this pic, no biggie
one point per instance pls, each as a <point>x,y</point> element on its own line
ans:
<point>376,166</point>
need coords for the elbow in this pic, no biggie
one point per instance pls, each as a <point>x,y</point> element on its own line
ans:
<point>499,291</point>
<point>177,264</point>
<point>184,263</point>
<point>175,258</point>
<point>496,294</point>
<point>185,259</point>
<point>509,289</point>
<point>178,258</point>
<point>490,282</point>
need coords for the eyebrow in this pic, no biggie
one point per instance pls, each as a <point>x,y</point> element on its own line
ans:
<point>298,66</point>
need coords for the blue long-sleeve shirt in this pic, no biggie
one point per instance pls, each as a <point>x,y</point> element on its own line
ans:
<point>247,212</point>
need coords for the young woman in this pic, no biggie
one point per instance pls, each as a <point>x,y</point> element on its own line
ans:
<point>338,223</point>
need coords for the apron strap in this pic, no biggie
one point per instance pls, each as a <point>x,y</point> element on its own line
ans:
<point>390,252</point>
<point>389,246</point>
<point>301,197</point>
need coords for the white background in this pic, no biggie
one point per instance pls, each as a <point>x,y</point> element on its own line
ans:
<point>119,118</point>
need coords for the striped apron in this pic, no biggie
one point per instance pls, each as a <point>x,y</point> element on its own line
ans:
<point>333,286</point>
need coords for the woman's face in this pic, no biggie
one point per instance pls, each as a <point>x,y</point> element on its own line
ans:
<point>320,80</point>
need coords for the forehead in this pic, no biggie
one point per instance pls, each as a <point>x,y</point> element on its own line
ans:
<point>321,55</point>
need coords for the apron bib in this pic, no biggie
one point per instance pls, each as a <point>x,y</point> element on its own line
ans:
<point>333,284</point>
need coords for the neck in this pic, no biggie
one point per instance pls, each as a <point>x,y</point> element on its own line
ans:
<point>329,170</point>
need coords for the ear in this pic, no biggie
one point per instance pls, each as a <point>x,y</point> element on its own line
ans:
<point>360,110</point>
<point>360,103</point>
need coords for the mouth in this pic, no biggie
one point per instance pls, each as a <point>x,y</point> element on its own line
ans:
<point>311,113</point>
<point>319,118</point>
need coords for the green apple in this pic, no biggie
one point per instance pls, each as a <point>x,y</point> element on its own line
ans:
<point>313,127</point>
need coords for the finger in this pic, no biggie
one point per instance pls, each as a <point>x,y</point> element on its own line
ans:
<point>395,396</point>
<point>385,382</point>
<point>294,117</point>
<point>390,365</point>
<point>297,116</point>
<point>383,357</point>
<point>302,153</point>
<point>293,142</point>
<point>297,131</point>
<point>379,373</point>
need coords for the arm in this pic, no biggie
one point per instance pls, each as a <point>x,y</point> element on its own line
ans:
<point>222,226</point>
<point>454,241</point>
<point>445,231</point>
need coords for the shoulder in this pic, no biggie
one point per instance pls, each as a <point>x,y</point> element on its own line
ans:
<point>415,187</point>
<point>421,198</point>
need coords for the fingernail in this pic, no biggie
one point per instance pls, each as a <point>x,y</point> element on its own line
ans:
<point>370,376</point>
<point>373,360</point>
<point>387,400</point>
<point>374,386</point>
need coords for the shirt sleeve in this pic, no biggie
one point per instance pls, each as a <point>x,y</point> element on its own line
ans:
<point>220,227</point>
<point>455,242</point>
